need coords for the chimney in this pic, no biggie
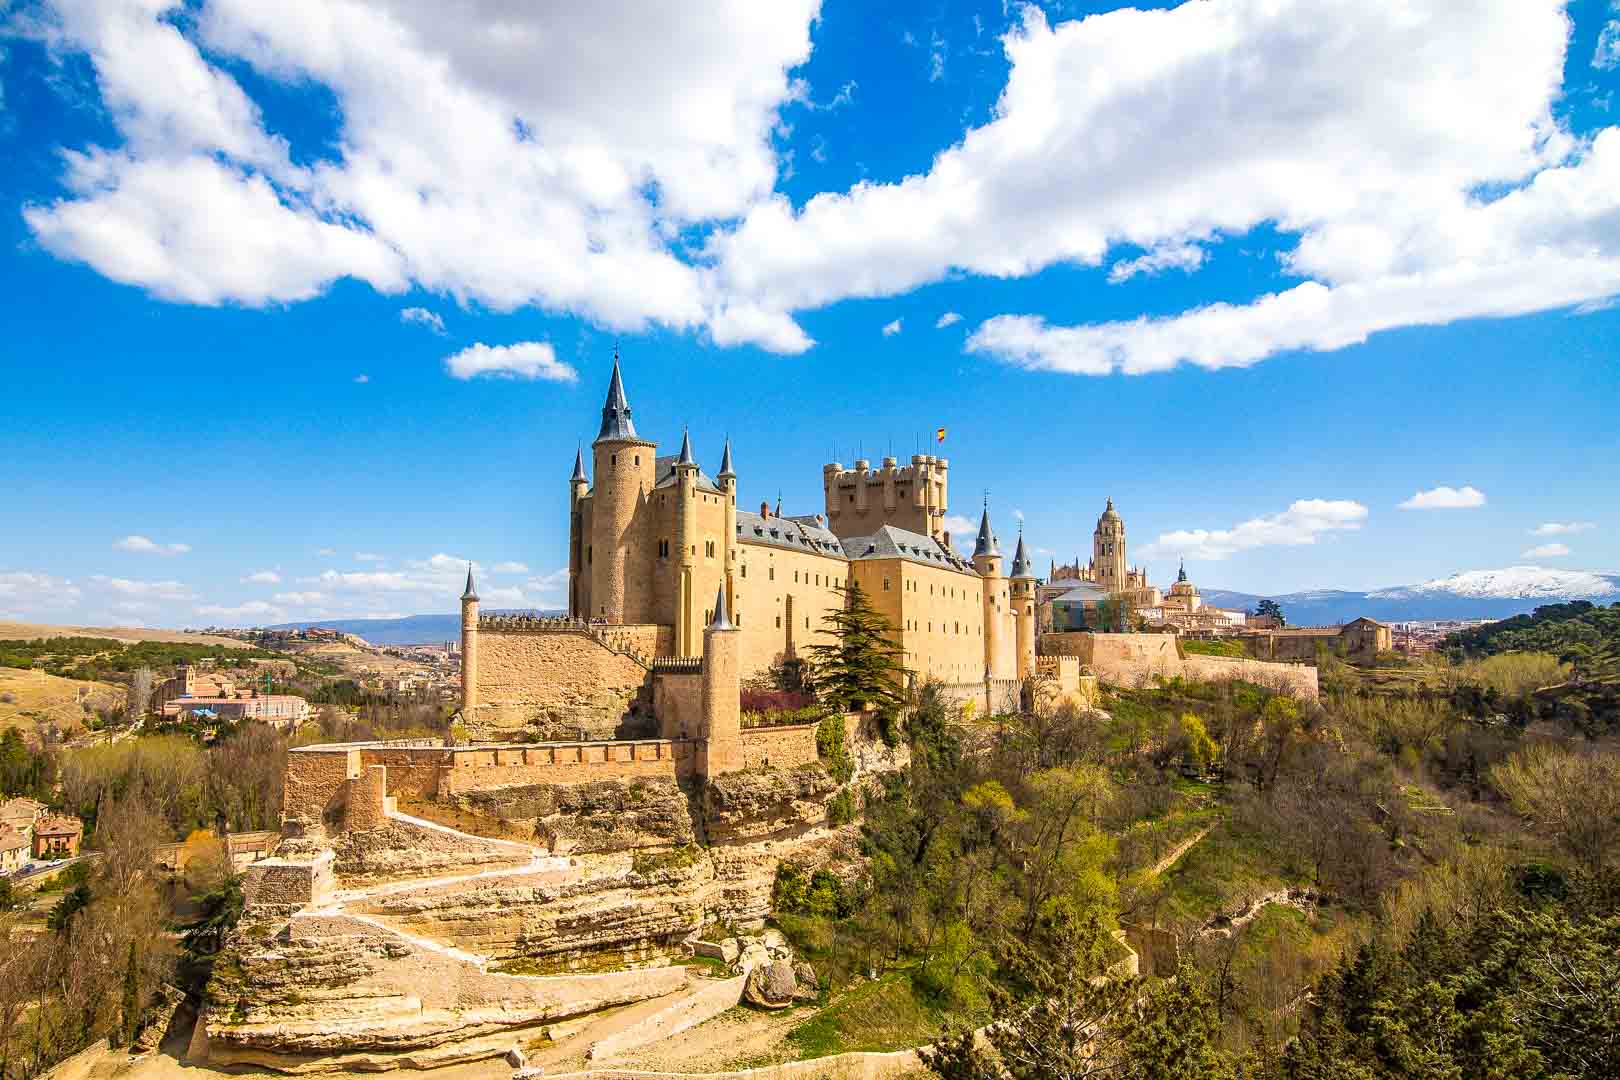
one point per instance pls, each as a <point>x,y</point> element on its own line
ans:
<point>765,510</point>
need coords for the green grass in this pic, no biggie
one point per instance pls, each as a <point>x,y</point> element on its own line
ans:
<point>1220,870</point>
<point>1227,647</point>
<point>882,1015</point>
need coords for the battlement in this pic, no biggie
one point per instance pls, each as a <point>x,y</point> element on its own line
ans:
<point>862,500</point>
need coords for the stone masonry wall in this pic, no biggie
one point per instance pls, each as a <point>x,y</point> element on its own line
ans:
<point>314,782</point>
<point>1137,659</point>
<point>565,763</point>
<point>557,684</point>
<point>678,701</point>
<point>779,747</point>
<point>367,799</point>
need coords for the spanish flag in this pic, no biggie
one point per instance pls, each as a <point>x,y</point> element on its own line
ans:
<point>939,435</point>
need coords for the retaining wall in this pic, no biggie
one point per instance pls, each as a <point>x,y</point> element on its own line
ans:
<point>566,763</point>
<point>1133,660</point>
<point>784,747</point>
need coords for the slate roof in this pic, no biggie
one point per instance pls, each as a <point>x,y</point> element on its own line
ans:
<point>794,533</point>
<point>1082,594</point>
<point>664,476</point>
<point>890,542</point>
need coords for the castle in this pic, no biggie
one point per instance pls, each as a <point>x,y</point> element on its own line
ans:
<point>653,537</point>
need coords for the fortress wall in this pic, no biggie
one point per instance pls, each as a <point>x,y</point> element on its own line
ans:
<point>412,771</point>
<point>1137,659</point>
<point>287,882</point>
<point>782,747</point>
<point>483,769</point>
<point>314,780</point>
<point>562,682</point>
<point>650,639</point>
<point>678,702</point>
<point>1297,680</point>
<point>939,613</point>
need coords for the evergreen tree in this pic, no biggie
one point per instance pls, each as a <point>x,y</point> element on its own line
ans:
<point>862,666</point>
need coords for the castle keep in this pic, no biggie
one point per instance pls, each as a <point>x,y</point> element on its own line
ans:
<point>654,538</point>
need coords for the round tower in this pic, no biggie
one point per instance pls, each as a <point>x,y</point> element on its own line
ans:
<point>688,620</point>
<point>469,645</point>
<point>721,747</point>
<point>578,576</point>
<point>1108,550</point>
<point>727,478</point>
<point>987,561</point>
<point>1021,589</point>
<point>616,555</point>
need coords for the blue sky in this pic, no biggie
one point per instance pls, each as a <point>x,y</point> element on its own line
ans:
<point>1260,272</point>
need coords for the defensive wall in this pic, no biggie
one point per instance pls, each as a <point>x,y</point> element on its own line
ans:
<point>1138,659</point>
<point>565,678</point>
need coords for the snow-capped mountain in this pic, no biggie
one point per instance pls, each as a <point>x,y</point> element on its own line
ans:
<point>1471,594</point>
<point>1515,583</point>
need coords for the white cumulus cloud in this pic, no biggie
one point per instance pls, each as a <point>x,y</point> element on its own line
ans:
<point>525,360</point>
<point>262,577</point>
<point>147,546</point>
<point>1300,524</point>
<point>1188,257</point>
<point>1546,551</point>
<point>1445,498</point>
<point>950,318</point>
<point>422,317</point>
<point>892,328</point>
<point>1562,528</point>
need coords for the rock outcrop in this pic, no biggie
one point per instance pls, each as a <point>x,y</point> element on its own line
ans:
<point>766,804</point>
<point>604,816</point>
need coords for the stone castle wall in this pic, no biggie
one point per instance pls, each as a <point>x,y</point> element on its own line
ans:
<point>1134,660</point>
<point>566,763</point>
<point>678,703</point>
<point>784,747</point>
<point>560,684</point>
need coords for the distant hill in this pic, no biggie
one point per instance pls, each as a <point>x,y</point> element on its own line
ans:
<point>1471,594</point>
<point>409,630</point>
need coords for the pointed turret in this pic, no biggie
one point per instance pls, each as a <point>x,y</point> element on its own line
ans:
<point>1020,563</point>
<point>1182,576</point>
<point>986,544</point>
<point>470,593</point>
<point>726,471</point>
<point>721,621</point>
<point>686,458</point>
<point>616,423</point>
<point>579,467</point>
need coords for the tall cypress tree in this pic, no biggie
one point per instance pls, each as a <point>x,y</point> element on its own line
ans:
<point>862,666</point>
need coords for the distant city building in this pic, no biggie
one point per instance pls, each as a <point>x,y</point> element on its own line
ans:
<point>1360,640</point>
<point>58,838</point>
<point>193,691</point>
<point>21,815</point>
<point>14,848</point>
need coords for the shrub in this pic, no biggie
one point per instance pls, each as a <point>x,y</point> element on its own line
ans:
<point>841,808</point>
<point>830,748</point>
<point>821,893</point>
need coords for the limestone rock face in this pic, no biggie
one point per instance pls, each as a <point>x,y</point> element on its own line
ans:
<point>402,848</point>
<point>607,815</point>
<point>767,804</point>
<point>593,912</point>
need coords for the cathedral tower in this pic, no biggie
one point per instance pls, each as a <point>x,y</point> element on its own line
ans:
<point>469,644</point>
<point>1108,550</point>
<point>624,467</point>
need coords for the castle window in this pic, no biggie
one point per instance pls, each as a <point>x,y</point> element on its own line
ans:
<point>885,584</point>
<point>744,569</point>
<point>638,459</point>
<point>708,548</point>
<point>770,573</point>
<point>613,459</point>
<point>779,622</point>
<point>587,556</point>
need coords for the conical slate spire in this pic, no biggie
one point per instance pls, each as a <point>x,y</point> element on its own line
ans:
<point>721,622</point>
<point>686,457</point>
<point>1020,564</point>
<point>987,540</point>
<point>579,465</point>
<point>470,593</point>
<point>1183,575</point>
<point>726,472</point>
<point>616,423</point>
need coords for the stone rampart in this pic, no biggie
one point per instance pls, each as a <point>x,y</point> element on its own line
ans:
<point>678,702</point>
<point>313,785</point>
<point>1058,679</point>
<point>1133,660</point>
<point>785,747</point>
<point>366,801</point>
<point>483,769</point>
<point>561,683</point>
<point>284,884</point>
<point>1297,680</point>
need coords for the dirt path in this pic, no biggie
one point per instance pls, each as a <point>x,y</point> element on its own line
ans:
<point>738,1038</point>
<point>1177,852</point>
